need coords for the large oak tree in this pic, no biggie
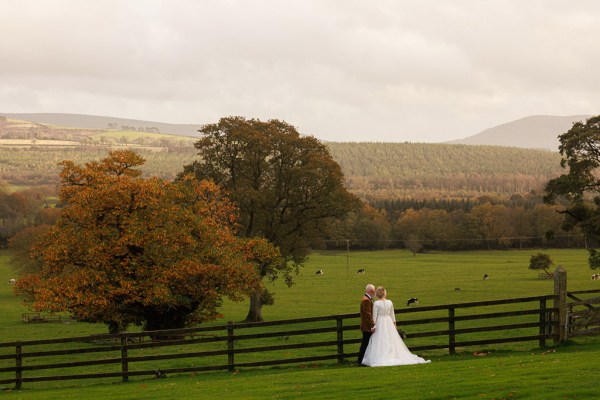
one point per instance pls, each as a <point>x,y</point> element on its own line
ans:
<point>288,188</point>
<point>145,251</point>
<point>578,190</point>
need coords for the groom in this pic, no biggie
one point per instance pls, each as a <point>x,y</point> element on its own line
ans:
<point>366,320</point>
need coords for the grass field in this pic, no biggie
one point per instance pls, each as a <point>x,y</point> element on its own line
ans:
<point>567,373</point>
<point>431,277</point>
<point>134,135</point>
<point>510,371</point>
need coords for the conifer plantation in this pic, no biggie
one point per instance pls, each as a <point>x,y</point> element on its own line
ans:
<point>437,196</point>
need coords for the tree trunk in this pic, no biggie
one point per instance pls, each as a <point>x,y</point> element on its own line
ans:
<point>116,327</point>
<point>255,312</point>
<point>162,318</point>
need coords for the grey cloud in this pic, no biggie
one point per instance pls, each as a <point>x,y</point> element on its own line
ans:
<point>341,70</point>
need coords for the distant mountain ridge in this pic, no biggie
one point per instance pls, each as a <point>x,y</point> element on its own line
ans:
<point>532,132</point>
<point>102,122</point>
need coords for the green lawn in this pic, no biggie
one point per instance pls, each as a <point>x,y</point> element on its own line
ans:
<point>568,373</point>
<point>432,278</point>
<point>508,371</point>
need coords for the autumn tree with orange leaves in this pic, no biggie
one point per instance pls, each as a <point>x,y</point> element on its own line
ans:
<point>143,251</point>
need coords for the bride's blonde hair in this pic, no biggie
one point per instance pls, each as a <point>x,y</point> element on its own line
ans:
<point>380,292</point>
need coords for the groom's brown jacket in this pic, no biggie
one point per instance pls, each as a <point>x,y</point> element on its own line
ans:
<point>366,314</point>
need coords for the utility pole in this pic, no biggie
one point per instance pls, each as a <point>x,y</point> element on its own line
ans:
<point>348,258</point>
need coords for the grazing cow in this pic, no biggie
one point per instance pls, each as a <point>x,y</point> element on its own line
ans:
<point>361,271</point>
<point>595,277</point>
<point>412,301</point>
<point>12,281</point>
<point>485,277</point>
<point>457,289</point>
<point>320,272</point>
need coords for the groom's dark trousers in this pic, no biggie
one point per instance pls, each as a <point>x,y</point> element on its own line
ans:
<point>366,324</point>
<point>363,346</point>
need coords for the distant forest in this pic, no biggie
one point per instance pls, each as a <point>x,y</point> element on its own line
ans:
<point>38,165</point>
<point>417,196</point>
<point>420,171</point>
<point>374,171</point>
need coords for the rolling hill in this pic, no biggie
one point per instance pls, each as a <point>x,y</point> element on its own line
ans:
<point>533,132</point>
<point>101,122</point>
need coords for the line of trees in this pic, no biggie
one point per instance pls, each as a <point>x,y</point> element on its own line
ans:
<point>148,129</point>
<point>481,223</point>
<point>485,226</point>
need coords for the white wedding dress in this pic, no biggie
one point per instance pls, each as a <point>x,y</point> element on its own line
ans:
<point>386,347</point>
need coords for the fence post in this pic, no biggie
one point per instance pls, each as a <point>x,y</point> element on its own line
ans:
<point>230,354</point>
<point>124,360</point>
<point>451,334</point>
<point>560,302</point>
<point>340,339</point>
<point>19,364</point>
<point>543,327</point>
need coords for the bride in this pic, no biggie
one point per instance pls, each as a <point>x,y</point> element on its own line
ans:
<point>386,347</point>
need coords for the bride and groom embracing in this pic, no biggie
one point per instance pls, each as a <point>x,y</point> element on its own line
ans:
<point>381,343</point>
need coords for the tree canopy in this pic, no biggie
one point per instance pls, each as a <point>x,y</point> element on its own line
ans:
<point>129,250</point>
<point>288,187</point>
<point>540,261</point>
<point>578,190</point>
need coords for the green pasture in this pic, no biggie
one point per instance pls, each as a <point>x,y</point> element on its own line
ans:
<point>134,135</point>
<point>15,188</point>
<point>506,371</point>
<point>433,278</point>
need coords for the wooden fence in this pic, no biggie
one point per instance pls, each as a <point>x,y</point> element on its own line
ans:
<point>117,349</point>
<point>37,317</point>
<point>583,316</point>
<point>307,340</point>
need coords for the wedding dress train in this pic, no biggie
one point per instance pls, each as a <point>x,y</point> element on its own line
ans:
<point>386,347</point>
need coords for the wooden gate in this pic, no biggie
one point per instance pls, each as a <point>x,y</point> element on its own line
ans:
<point>583,316</point>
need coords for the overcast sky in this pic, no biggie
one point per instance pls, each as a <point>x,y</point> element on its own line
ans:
<point>344,70</point>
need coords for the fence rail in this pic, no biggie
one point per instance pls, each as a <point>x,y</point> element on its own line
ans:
<point>227,347</point>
